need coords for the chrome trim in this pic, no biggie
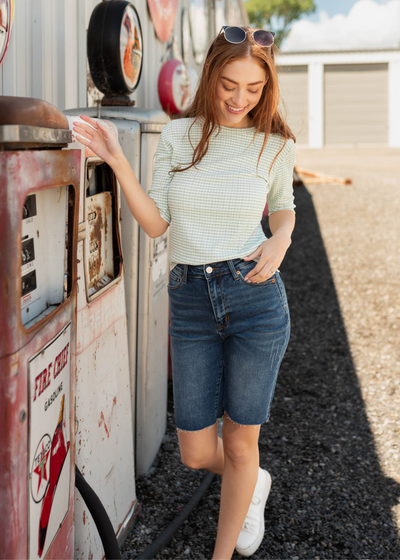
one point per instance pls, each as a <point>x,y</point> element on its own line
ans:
<point>151,127</point>
<point>128,523</point>
<point>12,133</point>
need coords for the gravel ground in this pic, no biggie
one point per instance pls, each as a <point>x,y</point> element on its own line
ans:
<point>332,444</point>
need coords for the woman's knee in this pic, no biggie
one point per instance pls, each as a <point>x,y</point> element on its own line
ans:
<point>198,449</point>
<point>240,442</point>
<point>192,462</point>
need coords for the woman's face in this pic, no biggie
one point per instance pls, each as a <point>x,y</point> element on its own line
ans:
<point>239,89</point>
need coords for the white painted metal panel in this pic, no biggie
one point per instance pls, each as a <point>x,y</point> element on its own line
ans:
<point>356,104</point>
<point>104,446</point>
<point>293,83</point>
<point>129,137</point>
<point>104,442</point>
<point>43,235</point>
<point>152,345</point>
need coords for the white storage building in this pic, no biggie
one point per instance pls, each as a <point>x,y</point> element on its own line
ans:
<point>342,98</point>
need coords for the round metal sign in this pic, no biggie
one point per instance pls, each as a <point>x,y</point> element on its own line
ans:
<point>130,46</point>
<point>115,47</point>
<point>6,13</point>
<point>163,14</point>
<point>174,87</point>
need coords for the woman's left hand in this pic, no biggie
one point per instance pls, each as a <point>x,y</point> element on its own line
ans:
<point>271,253</point>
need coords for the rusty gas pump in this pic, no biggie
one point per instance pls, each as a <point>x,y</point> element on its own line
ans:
<point>39,186</point>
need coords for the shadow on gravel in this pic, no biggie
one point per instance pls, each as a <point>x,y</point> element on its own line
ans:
<point>329,497</point>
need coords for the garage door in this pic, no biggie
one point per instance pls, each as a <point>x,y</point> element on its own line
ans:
<point>356,104</point>
<point>293,83</point>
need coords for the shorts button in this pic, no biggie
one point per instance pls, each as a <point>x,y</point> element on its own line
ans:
<point>209,269</point>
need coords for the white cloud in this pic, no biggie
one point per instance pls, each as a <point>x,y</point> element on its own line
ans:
<point>367,26</point>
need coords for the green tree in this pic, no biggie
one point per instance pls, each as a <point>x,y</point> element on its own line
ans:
<point>281,13</point>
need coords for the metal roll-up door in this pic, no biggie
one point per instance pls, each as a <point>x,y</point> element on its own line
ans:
<point>356,104</point>
<point>293,84</point>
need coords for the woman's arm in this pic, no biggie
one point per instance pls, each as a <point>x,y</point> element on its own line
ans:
<point>281,223</point>
<point>104,143</point>
<point>143,208</point>
<point>273,250</point>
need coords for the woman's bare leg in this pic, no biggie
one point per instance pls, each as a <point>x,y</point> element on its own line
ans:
<point>239,480</point>
<point>202,449</point>
<point>236,458</point>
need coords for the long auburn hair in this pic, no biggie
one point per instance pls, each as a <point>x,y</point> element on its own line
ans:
<point>265,115</point>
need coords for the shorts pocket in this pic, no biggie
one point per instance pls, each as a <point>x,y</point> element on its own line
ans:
<point>175,278</point>
<point>281,293</point>
<point>270,280</point>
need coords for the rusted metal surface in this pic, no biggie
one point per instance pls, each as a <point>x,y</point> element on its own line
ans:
<point>31,112</point>
<point>20,174</point>
<point>32,171</point>
<point>99,241</point>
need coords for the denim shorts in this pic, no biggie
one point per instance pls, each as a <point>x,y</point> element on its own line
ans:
<point>228,338</point>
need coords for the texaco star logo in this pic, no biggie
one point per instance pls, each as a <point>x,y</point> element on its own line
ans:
<point>39,474</point>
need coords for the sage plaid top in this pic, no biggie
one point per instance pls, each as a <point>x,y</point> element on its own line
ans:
<point>214,211</point>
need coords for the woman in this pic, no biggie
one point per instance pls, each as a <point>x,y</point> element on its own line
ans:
<point>214,169</point>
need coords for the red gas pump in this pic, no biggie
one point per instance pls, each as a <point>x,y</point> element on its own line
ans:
<point>39,186</point>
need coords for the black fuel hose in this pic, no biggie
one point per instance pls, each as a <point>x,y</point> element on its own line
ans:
<point>169,532</point>
<point>100,517</point>
<point>105,528</point>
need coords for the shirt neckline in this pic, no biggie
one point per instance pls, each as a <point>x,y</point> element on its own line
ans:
<point>237,128</point>
<point>223,127</point>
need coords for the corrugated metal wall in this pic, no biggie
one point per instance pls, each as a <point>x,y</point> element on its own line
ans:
<point>293,83</point>
<point>47,53</point>
<point>356,104</point>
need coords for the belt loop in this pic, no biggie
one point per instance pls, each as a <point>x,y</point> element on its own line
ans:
<point>185,269</point>
<point>233,271</point>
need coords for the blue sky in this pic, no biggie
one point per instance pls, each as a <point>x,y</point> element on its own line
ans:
<point>347,25</point>
<point>333,7</point>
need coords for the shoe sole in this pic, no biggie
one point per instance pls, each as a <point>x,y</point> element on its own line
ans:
<point>251,549</point>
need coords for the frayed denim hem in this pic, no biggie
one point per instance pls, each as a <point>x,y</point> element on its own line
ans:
<point>227,416</point>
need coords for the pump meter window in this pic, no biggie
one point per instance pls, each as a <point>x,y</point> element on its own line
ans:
<point>45,252</point>
<point>102,248</point>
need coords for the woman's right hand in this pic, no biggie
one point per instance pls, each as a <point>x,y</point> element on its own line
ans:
<point>101,137</point>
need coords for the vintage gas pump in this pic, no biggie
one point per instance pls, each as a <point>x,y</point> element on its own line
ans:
<point>104,441</point>
<point>146,275</point>
<point>39,186</point>
<point>145,259</point>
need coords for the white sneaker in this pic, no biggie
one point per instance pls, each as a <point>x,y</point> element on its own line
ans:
<point>252,532</point>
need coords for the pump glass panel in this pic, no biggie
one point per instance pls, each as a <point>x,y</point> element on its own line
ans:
<point>45,274</point>
<point>102,249</point>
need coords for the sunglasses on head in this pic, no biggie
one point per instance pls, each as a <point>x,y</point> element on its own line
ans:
<point>237,35</point>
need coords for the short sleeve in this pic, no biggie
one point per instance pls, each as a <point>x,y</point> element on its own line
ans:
<point>280,195</point>
<point>161,178</point>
